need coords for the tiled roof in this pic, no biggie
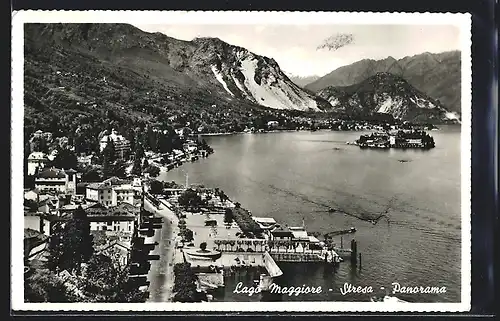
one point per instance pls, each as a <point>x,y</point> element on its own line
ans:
<point>52,173</point>
<point>29,233</point>
<point>37,156</point>
<point>112,181</point>
<point>122,210</point>
<point>282,231</point>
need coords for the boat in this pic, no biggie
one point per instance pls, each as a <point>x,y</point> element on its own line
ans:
<point>388,299</point>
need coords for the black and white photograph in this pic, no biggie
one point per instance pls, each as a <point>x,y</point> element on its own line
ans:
<point>252,161</point>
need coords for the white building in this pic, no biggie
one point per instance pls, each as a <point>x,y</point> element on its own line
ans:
<point>392,140</point>
<point>122,145</point>
<point>117,220</point>
<point>36,161</point>
<point>56,180</point>
<point>113,191</point>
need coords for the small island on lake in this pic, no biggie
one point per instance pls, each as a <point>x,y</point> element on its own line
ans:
<point>397,139</point>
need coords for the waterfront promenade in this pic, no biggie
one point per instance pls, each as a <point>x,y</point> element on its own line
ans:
<point>161,274</point>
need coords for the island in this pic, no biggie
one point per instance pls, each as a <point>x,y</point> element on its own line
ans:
<point>397,139</point>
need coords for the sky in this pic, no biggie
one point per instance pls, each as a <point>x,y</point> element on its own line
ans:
<point>294,47</point>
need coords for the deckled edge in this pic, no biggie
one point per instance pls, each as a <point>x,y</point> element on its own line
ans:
<point>19,18</point>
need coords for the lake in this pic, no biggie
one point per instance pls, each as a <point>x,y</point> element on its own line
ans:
<point>296,176</point>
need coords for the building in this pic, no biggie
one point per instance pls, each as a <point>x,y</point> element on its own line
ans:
<point>299,234</point>
<point>86,160</point>
<point>281,234</point>
<point>40,222</point>
<point>47,136</point>
<point>36,162</point>
<point>117,220</point>
<point>119,250</point>
<point>265,223</point>
<point>56,180</point>
<point>392,140</point>
<point>272,124</point>
<point>122,145</point>
<point>113,191</point>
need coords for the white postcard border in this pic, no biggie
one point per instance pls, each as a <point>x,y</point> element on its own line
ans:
<point>234,17</point>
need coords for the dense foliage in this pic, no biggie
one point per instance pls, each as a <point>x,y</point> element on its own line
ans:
<point>71,245</point>
<point>190,199</point>
<point>107,281</point>
<point>185,284</point>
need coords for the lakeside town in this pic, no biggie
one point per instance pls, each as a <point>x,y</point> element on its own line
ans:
<point>92,223</point>
<point>89,217</point>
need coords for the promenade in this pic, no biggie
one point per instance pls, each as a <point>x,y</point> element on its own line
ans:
<point>161,274</point>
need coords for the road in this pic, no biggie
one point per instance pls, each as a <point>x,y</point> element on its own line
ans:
<point>161,274</point>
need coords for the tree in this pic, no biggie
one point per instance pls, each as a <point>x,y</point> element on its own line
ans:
<point>73,245</point>
<point>56,249</point>
<point>65,159</point>
<point>107,281</point>
<point>42,285</point>
<point>185,284</point>
<point>153,171</point>
<point>136,168</point>
<point>145,164</point>
<point>190,198</point>
<point>187,235</point>
<point>109,151</point>
<point>228,216</point>
<point>156,187</point>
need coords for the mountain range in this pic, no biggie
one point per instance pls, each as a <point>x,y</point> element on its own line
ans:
<point>387,94</point>
<point>77,68</point>
<point>437,75</point>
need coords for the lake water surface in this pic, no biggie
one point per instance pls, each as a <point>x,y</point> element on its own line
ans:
<point>295,176</point>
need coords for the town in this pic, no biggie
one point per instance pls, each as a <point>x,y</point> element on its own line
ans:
<point>92,224</point>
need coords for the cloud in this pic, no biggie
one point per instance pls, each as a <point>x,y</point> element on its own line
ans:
<point>336,42</point>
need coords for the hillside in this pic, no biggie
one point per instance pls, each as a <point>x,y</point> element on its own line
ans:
<point>227,73</point>
<point>437,75</point>
<point>387,94</point>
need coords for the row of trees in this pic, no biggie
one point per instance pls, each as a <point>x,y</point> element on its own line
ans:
<point>245,221</point>
<point>260,245</point>
<point>186,234</point>
<point>251,245</point>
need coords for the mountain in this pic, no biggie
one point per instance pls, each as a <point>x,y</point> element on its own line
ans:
<point>386,93</point>
<point>227,73</point>
<point>302,81</point>
<point>437,75</point>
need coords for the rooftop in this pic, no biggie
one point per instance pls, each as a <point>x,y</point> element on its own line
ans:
<point>121,210</point>
<point>37,156</point>
<point>112,181</point>
<point>52,173</point>
<point>266,220</point>
<point>282,231</point>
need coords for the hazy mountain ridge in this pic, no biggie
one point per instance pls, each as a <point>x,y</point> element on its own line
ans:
<point>302,81</point>
<point>389,94</point>
<point>437,75</point>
